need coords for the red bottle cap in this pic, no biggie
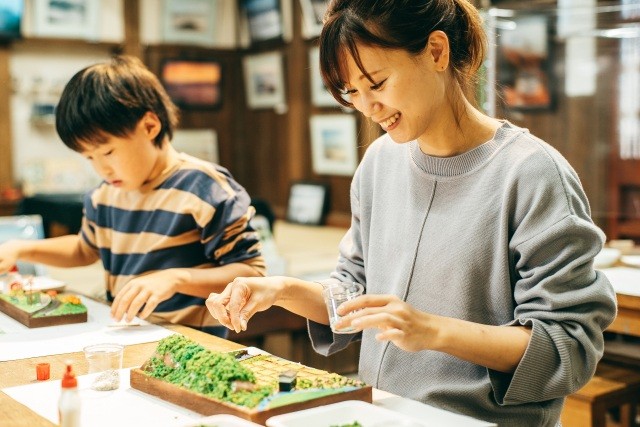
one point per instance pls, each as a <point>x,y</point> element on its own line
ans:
<point>42,371</point>
<point>69,379</point>
<point>14,269</point>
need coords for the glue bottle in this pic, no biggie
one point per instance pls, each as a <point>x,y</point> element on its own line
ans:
<point>69,403</point>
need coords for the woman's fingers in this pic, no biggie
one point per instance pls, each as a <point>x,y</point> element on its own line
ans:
<point>238,306</point>
<point>365,301</point>
<point>217,305</point>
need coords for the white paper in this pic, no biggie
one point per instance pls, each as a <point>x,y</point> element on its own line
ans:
<point>624,280</point>
<point>127,407</point>
<point>581,68</point>
<point>19,342</point>
<point>575,17</point>
<point>122,407</point>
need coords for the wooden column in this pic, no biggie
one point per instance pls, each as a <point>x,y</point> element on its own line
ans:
<point>6,152</point>
<point>131,45</point>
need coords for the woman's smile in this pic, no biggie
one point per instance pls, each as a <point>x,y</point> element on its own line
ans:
<point>390,123</point>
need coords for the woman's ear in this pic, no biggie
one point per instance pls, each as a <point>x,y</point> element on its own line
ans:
<point>438,48</point>
<point>151,125</point>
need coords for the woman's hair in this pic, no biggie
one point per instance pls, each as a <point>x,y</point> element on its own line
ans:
<point>399,24</point>
<point>110,99</point>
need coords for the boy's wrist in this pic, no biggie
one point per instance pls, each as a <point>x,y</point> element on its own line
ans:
<point>21,248</point>
<point>181,277</point>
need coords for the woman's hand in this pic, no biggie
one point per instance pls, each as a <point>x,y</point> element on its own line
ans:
<point>398,322</point>
<point>243,298</point>
<point>145,293</point>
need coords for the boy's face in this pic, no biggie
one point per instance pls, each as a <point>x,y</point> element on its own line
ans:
<point>131,161</point>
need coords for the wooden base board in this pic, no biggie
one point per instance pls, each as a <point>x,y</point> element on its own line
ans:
<point>208,406</point>
<point>38,322</point>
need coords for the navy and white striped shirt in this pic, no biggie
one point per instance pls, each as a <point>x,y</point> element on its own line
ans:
<point>194,215</point>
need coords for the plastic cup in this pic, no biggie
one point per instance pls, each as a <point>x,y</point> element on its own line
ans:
<point>43,371</point>
<point>105,359</point>
<point>334,295</point>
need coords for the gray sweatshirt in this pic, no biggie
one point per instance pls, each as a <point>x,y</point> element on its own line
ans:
<point>499,235</point>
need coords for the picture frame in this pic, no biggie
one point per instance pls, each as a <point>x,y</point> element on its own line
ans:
<point>200,143</point>
<point>320,95</point>
<point>189,21</point>
<point>308,203</point>
<point>193,83</point>
<point>66,18</point>
<point>264,80</point>
<point>312,17</point>
<point>334,148</point>
<point>524,66</point>
<point>11,16</point>
<point>263,19</point>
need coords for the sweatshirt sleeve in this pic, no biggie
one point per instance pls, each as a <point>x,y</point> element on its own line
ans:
<point>350,267</point>
<point>560,296</point>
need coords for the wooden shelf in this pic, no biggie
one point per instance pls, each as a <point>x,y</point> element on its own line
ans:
<point>629,228</point>
<point>8,207</point>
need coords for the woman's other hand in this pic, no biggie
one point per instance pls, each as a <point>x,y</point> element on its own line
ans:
<point>397,321</point>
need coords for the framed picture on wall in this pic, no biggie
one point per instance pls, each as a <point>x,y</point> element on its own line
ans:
<point>320,95</point>
<point>66,18</point>
<point>334,146</point>
<point>189,21</point>
<point>524,72</point>
<point>193,84</point>
<point>263,19</point>
<point>312,14</point>
<point>264,80</point>
<point>308,203</point>
<point>200,143</point>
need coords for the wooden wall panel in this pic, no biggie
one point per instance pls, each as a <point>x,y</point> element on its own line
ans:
<point>578,127</point>
<point>6,157</point>
<point>267,151</point>
<point>222,119</point>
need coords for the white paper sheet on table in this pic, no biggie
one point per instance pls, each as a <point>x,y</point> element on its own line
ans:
<point>18,341</point>
<point>625,280</point>
<point>126,407</point>
<point>122,407</point>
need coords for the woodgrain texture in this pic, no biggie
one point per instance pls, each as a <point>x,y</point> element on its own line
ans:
<point>207,406</point>
<point>30,321</point>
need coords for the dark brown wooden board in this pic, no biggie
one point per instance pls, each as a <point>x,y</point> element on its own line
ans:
<point>38,322</point>
<point>208,406</point>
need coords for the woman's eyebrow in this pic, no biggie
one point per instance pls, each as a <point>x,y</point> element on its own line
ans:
<point>371,74</point>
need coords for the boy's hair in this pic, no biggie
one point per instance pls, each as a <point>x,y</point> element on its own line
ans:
<point>109,99</point>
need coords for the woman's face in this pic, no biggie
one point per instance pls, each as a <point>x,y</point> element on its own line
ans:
<point>407,94</point>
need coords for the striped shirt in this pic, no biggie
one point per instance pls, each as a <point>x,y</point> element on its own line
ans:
<point>194,215</point>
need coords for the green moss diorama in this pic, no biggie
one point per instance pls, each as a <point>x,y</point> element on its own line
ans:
<point>251,382</point>
<point>42,304</point>
<point>187,364</point>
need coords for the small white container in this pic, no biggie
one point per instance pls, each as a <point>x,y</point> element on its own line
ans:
<point>346,412</point>
<point>607,257</point>
<point>222,420</point>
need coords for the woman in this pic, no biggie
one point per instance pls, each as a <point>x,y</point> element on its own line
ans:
<point>472,237</point>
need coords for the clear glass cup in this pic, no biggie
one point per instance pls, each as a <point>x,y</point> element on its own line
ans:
<point>105,359</point>
<point>334,295</point>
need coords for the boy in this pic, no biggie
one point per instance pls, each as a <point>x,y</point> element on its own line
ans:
<point>168,228</point>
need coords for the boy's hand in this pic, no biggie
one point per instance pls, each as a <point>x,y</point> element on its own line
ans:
<point>144,291</point>
<point>8,256</point>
